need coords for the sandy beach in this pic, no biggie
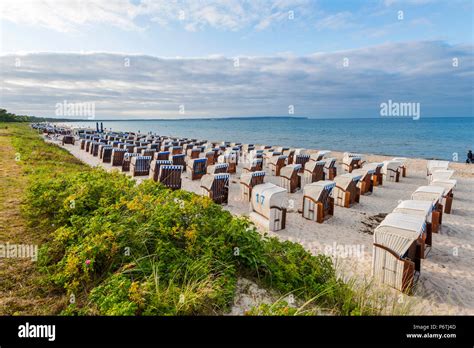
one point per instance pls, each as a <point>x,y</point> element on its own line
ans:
<point>446,283</point>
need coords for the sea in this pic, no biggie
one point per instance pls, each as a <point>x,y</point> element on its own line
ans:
<point>447,138</point>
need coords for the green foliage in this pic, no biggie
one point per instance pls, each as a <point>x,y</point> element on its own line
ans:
<point>127,249</point>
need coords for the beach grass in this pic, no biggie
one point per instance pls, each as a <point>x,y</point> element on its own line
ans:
<point>112,247</point>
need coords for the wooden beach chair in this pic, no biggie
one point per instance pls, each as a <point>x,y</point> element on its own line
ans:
<point>289,178</point>
<point>301,159</point>
<point>268,206</point>
<point>448,195</point>
<point>377,176</point>
<point>346,192</point>
<point>253,165</point>
<point>396,260</point>
<point>140,165</point>
<point>194,153</point>
<point>68,139</point>
<point>391,171</point>
<point>127,158</point>
<point>148,152</point>
<point>248,181</point>
<point>170,176</point>
<point>178,160</point>
<point>319,156</point>
<point>403,165</point>
<point>95,148</point>
<point>162,156</point>
<point>276,163</point>
<point>365,184</point>
<point>117,156</point>
<point>210,157</point>
<point>433,194</point>
<point>196,168</point>
<point>218,168</point>
<point>229,158</point>
<point>330,169</point>
<point>318,204</point>
<point>425,210</point>
<point>313,171</point>
<point>216,187</point>
<point>155,168</point>
<point>352,161</point>
<point>433,165</point>
<point>106,153</point>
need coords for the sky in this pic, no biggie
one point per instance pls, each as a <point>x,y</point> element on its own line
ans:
<point>197,58</point>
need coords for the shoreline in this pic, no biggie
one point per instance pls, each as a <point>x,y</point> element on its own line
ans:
<point>446,283</point>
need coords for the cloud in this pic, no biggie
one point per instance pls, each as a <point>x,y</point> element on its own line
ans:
<point>193,15</point>
<point>317,85</point>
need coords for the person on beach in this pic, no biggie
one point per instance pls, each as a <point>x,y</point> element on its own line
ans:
<point>470,157</point>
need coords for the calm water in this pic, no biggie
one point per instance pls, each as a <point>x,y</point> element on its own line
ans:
<point>425,138</point>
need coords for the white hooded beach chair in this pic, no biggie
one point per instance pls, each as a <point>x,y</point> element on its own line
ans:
<point>196,168</point>
<point>216,187</point>
<point>230,159</point>
<point>269,206</point>
<point>155,168</point>
<point>424,209</point>
<point>276,163</point>
<point>352,161</point>
<point>448,195</point>
<point>170,176</point>
<point>346,191</point>
<point>255,164</point>
<point>396,243</point>
<point>441,174</point>
<point>330,169</point>
<point>127,158</point>
<point>365,184</point>
<point>301,159</point>
<point>320,155</point>
<point>248,181</point>
<point>377,176</point>
<point>218,168</point>
<point>289,178</point>
<point>318,204</point>
<point>140,165</point>
<point>193,152</point>
<point>433,165</point>
<point>313,171</point>
<point>433,194</point>
<point>391,170</point>
<point>403,164</point>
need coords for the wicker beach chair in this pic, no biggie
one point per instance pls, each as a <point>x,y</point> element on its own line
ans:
<point>391,171</point>
<point>140,165</point>
<point>403,165</point>
<point>346,192</point>
<point>216,187</point>
<point>155,168</point>
<point>448,195</point>
<point>196,168</point>
<point>117,156</point>
<point>218,168</point>
<point>330,169</point>
<point>127,157</point>
<point>396,250</point>
<point>178,160</point>
<point>318,204</point>
<point>433,194</point>
<point>365,184</point>
<point>170,176</point>
<point>313,171</point>
<point>162,156</point>
<point>268,206</point>
<point>301,159</point>
<point>68,139</point>
<point>94,148</point>
<point>106,153</point>
<point>248,181</point>
<point>253,165</point>
<point>377,176</point>
<point>289,178</point>
<point>433,165</point>
<point>231,159</point>
<point>276,163</point>
<point>352,161</point>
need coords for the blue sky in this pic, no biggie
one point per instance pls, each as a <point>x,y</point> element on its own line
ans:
<point>298,43</point>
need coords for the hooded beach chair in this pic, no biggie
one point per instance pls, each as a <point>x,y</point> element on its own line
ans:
<point>320,155</point>
<point>170,176</point>
<point>148,152</point>
<point>395,260</point>
<point>253,165</point>
<point>138,149</point>
<point>377,176</point>
<point>94,149</point>
<point>346,192</point>
<point>216,187</point>
<point>162,155</point>
<point>352,161</point>
<point>433,194</point>
<point>365,184</point>
<point>301,159</point>
<point>448,195</point>
<point>194,152</point>
<point>268,206</point>
<point>313,171</point>
<point>210,158</point>
<point>83,144</point>
<point>196,168</point>
<point>178,160</point>
<point>155,168</point>
<point>403,164</point>
<point>425,210</point>
<point>391,170</point>
<point>68,139</point>
<point>127,158</point>
<point>441,174</point>
<point>176,150</point>
<point>218,168</point>
<point>117,156</point>
<point>230,159</point>
<point>289,178</point>
<point>330,169</point>
<point>433,165</point>
<point>248,181</point>
<point>318,204</point>
<point>140,165</point>
<point>106,153</point>
<point>276,163</point>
